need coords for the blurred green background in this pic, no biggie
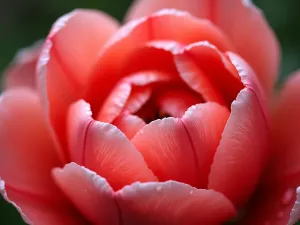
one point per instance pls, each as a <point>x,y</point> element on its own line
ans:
<point>22,22</point>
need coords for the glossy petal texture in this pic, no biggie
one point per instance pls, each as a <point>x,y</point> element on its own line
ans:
<point>285,139</point>
<point>67,56</point>
<point>244,147</point>
<point>164,25</point>
<point>172,203</point>
<point>27,156</point>
<point>103,148</point>
<point>240,20</point>
<point>21,73</point>
<point>182,149</point>
<point>89,192</point>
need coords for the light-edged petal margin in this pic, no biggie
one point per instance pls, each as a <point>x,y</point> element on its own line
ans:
<point>89,192</point>
<point>67,56</point>
<point>244,148</point>
<point>103,148</point>
<point>182,149</point>
<point>28,154</point>
<point>168,25</point>
<point>172,203</point>
<point>22,71</point>
<point>240,20</point>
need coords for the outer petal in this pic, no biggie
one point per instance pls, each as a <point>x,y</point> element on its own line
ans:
<point>244,147</point>
<point>22,71</point>
<point>164,25</point>
<point>285,138</point>
<point>28,154</point>
<point>142,8</point>
<point>67,56</point>
<point>183,149</point>
<point>104,149</point>
<point>240,20</point>
<point>90,193</point>
<point>172,203</point>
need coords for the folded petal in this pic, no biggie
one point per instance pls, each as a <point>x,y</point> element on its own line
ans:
<point>241,20</point>
<point>183,149</point>
<point>103,148</point>
<point>22,70</point>
<point>90,193</point>
<point>165,25</point>
<point>207,71</point>
<point>28,154</point>
<point>172,203</point>
<point>285,141</point>
<point>67,56</point>
<point>244,147</point>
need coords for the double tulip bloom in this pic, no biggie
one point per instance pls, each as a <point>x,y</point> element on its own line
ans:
<point>171,119</point>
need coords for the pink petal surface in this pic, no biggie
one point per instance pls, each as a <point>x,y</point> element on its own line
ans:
<point>239,160</point>
<point>141,8</point>
<point>164,25</point>
<point>67,56</point>
<point>105,149</point>
<point>21,73</point>
<point>89,192</point>
<point>206,70</point>
<point>28,154</point>
<point>129,124</point>
<point>182,149</point>
<point>172,203</point>
<point>240,20</point>
<point>285,141</point>
<point>175,102</point>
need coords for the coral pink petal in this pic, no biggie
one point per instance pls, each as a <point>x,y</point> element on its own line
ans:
<point>243,150</point>
<point>89,192</point>
<point>21,72</point>
<point>181,149</point>
<point>67,56</point>
<point>115,102</point>
<point>139,97</point>
<point>206,70</point>
<point>141,8</point>
<point>129,124</point>
<point>167,150</point>
<point>164,25</point>
<point>285,138</point>
<point>105,149</point>
<point>205,124</point>
<point>270,206</point>
<point>28,155</point>
<point>172,203</point>
<point>176,102</point>
<point>240,20</point>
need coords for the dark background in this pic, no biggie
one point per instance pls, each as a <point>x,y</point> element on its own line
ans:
<point>22,22</point>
